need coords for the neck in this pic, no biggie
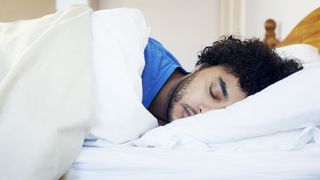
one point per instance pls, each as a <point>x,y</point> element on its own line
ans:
<point>159,105</point>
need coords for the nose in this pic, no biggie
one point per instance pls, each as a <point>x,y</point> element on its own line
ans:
<point>207,106</point>
<point>204,108</point>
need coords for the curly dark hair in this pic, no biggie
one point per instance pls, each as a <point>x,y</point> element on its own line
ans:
<point>256,65</point>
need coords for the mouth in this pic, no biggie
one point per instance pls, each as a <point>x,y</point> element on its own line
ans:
<point>188,111</point>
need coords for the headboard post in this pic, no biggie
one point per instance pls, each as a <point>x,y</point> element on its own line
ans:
<point>270,35</point>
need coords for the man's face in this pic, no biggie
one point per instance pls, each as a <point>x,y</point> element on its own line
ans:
<point>205,89</point>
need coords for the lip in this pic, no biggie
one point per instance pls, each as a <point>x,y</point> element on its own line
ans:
<point>187,112</point>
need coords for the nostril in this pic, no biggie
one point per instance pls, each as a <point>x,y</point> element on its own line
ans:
<point>203,109</point>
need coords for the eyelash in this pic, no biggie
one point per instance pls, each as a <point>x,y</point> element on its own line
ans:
<point>212,95</point>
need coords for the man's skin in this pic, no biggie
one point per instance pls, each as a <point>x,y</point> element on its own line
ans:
<point>198,92</point>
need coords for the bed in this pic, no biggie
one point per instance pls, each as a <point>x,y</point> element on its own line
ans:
<point>307,31</point>
<point>55,92</point>
<point>135,161</point>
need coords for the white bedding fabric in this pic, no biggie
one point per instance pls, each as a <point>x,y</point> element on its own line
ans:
<point>119,39</point>
<point>304,52</point>
<point>46,96</point>
<point>117,162</point>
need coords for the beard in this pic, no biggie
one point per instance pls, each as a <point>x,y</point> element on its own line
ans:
<point>178,93</point>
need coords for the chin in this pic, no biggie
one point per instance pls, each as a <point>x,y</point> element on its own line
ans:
<point>176,116</point>
<point>173,117</point>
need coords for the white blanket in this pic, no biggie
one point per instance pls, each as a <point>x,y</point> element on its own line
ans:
<point>119,40</point>
<point>46,93</point>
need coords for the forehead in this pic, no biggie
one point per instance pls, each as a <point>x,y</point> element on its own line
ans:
<point>215,71</point>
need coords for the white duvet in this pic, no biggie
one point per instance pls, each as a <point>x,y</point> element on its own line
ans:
<point>45,93</point>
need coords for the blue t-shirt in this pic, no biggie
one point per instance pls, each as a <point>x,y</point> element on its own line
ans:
<point>159,65</point>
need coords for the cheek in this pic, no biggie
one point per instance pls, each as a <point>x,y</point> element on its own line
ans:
<point>237,94</point>
<point>176,112</point>
<point>195,100</point>
<point>191,98</point>
<point>195,95</point>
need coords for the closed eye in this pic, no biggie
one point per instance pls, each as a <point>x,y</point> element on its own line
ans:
<point>212,93</point>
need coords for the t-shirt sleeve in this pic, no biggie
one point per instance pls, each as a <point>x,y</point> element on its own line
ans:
<point>159,65</point>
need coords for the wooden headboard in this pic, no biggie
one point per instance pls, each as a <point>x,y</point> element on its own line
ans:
<point>306,32</point>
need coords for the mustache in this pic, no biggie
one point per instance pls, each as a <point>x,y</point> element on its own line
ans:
<point>189,109</point>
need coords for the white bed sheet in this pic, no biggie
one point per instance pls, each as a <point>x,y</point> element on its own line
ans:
<point>127,162</point>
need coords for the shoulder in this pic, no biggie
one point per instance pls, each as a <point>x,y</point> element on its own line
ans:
<point>154,42</point>
<point>156,51</point>
<point>154,46</point>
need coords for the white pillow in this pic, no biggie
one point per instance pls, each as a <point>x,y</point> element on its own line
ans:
<point>304,52</point>
<point>119,39</point>
<point>46,96</point>
<point>292,103</point>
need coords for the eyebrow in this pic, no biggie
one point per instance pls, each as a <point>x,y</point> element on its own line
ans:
<point>223,87</point>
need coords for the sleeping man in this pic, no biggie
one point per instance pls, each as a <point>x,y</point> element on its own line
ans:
<point>226,72</point>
